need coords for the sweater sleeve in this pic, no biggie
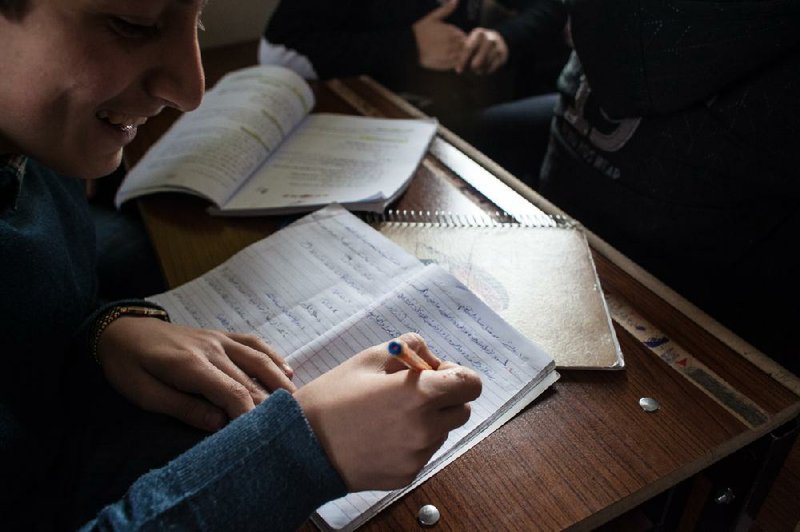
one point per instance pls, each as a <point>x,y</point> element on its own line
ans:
<point>340,39</point>
<point>266,469</point>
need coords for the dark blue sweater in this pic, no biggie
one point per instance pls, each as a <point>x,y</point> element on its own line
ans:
<point>266,469</point>
<point>48,288</point>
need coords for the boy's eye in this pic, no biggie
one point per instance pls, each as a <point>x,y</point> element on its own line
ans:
<point>132,30</point>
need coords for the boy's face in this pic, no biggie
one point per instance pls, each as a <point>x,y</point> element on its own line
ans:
<point>78,76</point>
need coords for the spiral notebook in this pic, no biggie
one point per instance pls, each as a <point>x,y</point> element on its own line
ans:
<point>536,272</point>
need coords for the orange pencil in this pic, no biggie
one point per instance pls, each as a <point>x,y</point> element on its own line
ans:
<point>402,352</point>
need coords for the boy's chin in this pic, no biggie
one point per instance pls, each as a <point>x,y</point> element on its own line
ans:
<point>92,169</point>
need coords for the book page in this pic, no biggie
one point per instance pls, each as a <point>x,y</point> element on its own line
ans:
<point>359,162</point>
<point>212,150</point>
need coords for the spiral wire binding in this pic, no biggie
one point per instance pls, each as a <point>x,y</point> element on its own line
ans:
<point>448,219</point>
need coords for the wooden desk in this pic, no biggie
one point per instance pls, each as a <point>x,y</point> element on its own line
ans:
<point>585,453</point>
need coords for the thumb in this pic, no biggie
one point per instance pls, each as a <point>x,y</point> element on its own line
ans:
<point>443,11</point>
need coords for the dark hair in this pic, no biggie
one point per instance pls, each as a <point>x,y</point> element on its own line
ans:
<point>13,8</point>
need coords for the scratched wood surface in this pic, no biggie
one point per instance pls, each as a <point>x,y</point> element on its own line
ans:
<point>584,452</point>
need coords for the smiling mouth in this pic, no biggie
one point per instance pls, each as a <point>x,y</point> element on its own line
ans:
<point>123,121</point>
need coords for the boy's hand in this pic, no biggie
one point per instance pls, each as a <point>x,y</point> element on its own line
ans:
<point>204,378</point>
<point>379,422</point>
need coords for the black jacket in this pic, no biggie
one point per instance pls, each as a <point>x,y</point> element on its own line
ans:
<point>676,141</point>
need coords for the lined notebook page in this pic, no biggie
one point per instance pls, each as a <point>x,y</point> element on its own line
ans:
<point>295,284</point>
<point>458,327</point>
<point>328,286</point>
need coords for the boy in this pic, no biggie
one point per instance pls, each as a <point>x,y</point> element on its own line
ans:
<point>79,77</point>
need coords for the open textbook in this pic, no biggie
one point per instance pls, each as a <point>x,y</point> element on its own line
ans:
<point>329,285</point>
<point>253,148</point>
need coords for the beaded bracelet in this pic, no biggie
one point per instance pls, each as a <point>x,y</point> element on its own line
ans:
<point>117,312</point>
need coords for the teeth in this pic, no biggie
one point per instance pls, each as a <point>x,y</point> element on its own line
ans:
<point>123,120</point>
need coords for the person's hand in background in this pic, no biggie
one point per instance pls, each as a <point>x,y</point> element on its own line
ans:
<point>484,52</point>
<point>439,44</point>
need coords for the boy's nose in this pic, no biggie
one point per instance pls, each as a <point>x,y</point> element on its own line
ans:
<point>179,79</point>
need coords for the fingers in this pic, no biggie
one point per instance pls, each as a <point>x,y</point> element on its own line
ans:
<point>453,417</point>
<point>414,356</point>
<point>224,391</point>
<point>443,11</point>
<point>233,369</point>
<point>194,411</point>
<point>202,377</point>
<point>418,345</point>
<point>439,43</point>
<point>259,360</point>
<point>484,52</point>
<point>450,385</point>
<point>481,59</point>
<point>380,427</point>
<point>229,363</point>
<point>260,345</point>
<point>470,45</point>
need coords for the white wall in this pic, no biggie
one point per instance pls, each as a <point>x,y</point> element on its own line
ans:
<point>233,21</point>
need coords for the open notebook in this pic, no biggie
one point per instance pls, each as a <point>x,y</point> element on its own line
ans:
<point>329,285</point>
<point>537,272</point>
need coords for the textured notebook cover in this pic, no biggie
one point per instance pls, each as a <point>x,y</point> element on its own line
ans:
<point>539,276</point>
